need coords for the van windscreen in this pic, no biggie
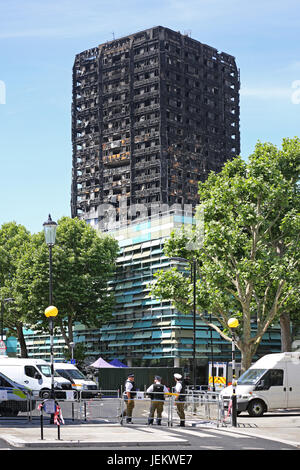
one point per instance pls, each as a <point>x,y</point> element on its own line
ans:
<point>251,376</point>
<point>46,370</point>
<point>73,373</point>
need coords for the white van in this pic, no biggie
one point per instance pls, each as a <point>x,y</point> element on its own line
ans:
<point>14,397</point>
<point>80,383</point>
<point>270,383</point>
<point>34,374</point>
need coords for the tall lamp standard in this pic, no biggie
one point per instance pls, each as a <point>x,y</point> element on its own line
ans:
<point>212,356</point>
<point>233,323</point>
<point>50,312</point>
<point>193,264</point>
<point>50,235</point>
<point>72,344</point>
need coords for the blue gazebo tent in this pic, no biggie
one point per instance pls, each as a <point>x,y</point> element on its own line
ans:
<point>117,363</point>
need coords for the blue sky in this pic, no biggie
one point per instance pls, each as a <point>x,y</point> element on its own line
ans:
<point>38,42</point>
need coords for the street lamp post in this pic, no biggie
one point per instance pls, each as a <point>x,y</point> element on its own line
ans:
<point>212,356</point>
<point>194,322</point>
<point>233,323</point>
<point>51,311</point>
<point>193,264</point>
<point>72,344</point>
<point>50,235</point>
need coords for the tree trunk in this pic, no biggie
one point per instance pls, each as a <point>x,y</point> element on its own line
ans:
<point>248,350</point>
<point>286,337</point>
<point>246,358</point>
<point>21,340</point>
<point>67,336</point>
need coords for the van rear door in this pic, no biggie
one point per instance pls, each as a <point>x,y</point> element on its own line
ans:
<point>293,384</point>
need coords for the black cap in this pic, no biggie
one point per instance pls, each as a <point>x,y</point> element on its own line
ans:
<point>157,377</point>
<point>130,375</point>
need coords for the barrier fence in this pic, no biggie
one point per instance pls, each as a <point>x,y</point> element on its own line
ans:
<point>109,406</point>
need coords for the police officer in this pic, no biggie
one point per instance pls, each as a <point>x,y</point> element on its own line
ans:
<point>129,395</point>
<point>156,392</point>
<point>180,397</point>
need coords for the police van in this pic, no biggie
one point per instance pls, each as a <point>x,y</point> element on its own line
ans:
<point>270,383</point>
<point>220,374</point>
<point>14,398</point>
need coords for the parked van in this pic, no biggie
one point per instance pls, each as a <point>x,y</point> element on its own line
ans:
<point>13,397</point>
<point>220,375</point>
<point>35,374</point>
<point>270,383</point>
<point>79,382</point>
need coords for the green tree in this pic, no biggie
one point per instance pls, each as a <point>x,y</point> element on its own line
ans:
<point>79,354</point>
<point>83,263</point>
<point>14,240</point>
<point>248,264</point>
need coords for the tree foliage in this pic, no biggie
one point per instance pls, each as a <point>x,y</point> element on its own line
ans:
<point>249,262</point>
<point>14,240</point>
<point>83,263</point>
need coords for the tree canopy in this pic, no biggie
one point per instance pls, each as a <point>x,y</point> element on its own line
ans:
<point>83,263</point>
<point>14,240</point>
<point>248,261</point>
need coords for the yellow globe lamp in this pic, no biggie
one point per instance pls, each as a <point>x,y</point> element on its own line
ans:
<point>233,323</point>
<point>51,311</point>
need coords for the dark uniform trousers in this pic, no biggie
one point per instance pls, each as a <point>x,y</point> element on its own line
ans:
<point>180,410</point>
<point>129,409</point>
<point>129,403</point>
<point>157,406</point>
<point>180,402</point>
<point>157,403</point>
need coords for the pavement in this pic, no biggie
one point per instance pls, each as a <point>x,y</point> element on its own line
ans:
<point>282,426</point>
<point>88,435</point>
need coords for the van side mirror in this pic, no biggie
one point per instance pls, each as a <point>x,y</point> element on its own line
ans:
<point>260,385</point>
<point>37,376</point>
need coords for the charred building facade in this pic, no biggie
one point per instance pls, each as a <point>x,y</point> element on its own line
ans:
<point>152,114</point>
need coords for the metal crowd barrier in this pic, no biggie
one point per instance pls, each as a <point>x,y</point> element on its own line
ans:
<point>12,408</point>
<point>140,413</point>
<point>204,405</point>
<point>79,405</point>
<point>198,406</point>
<point>109,406</point>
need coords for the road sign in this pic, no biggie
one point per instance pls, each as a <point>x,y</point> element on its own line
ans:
<point>2,347</point>
<point>49,406</point>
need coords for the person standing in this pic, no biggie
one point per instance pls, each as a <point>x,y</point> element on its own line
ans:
<point>156,392</point>
<point>180,398</point>
<point>129,395</point>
